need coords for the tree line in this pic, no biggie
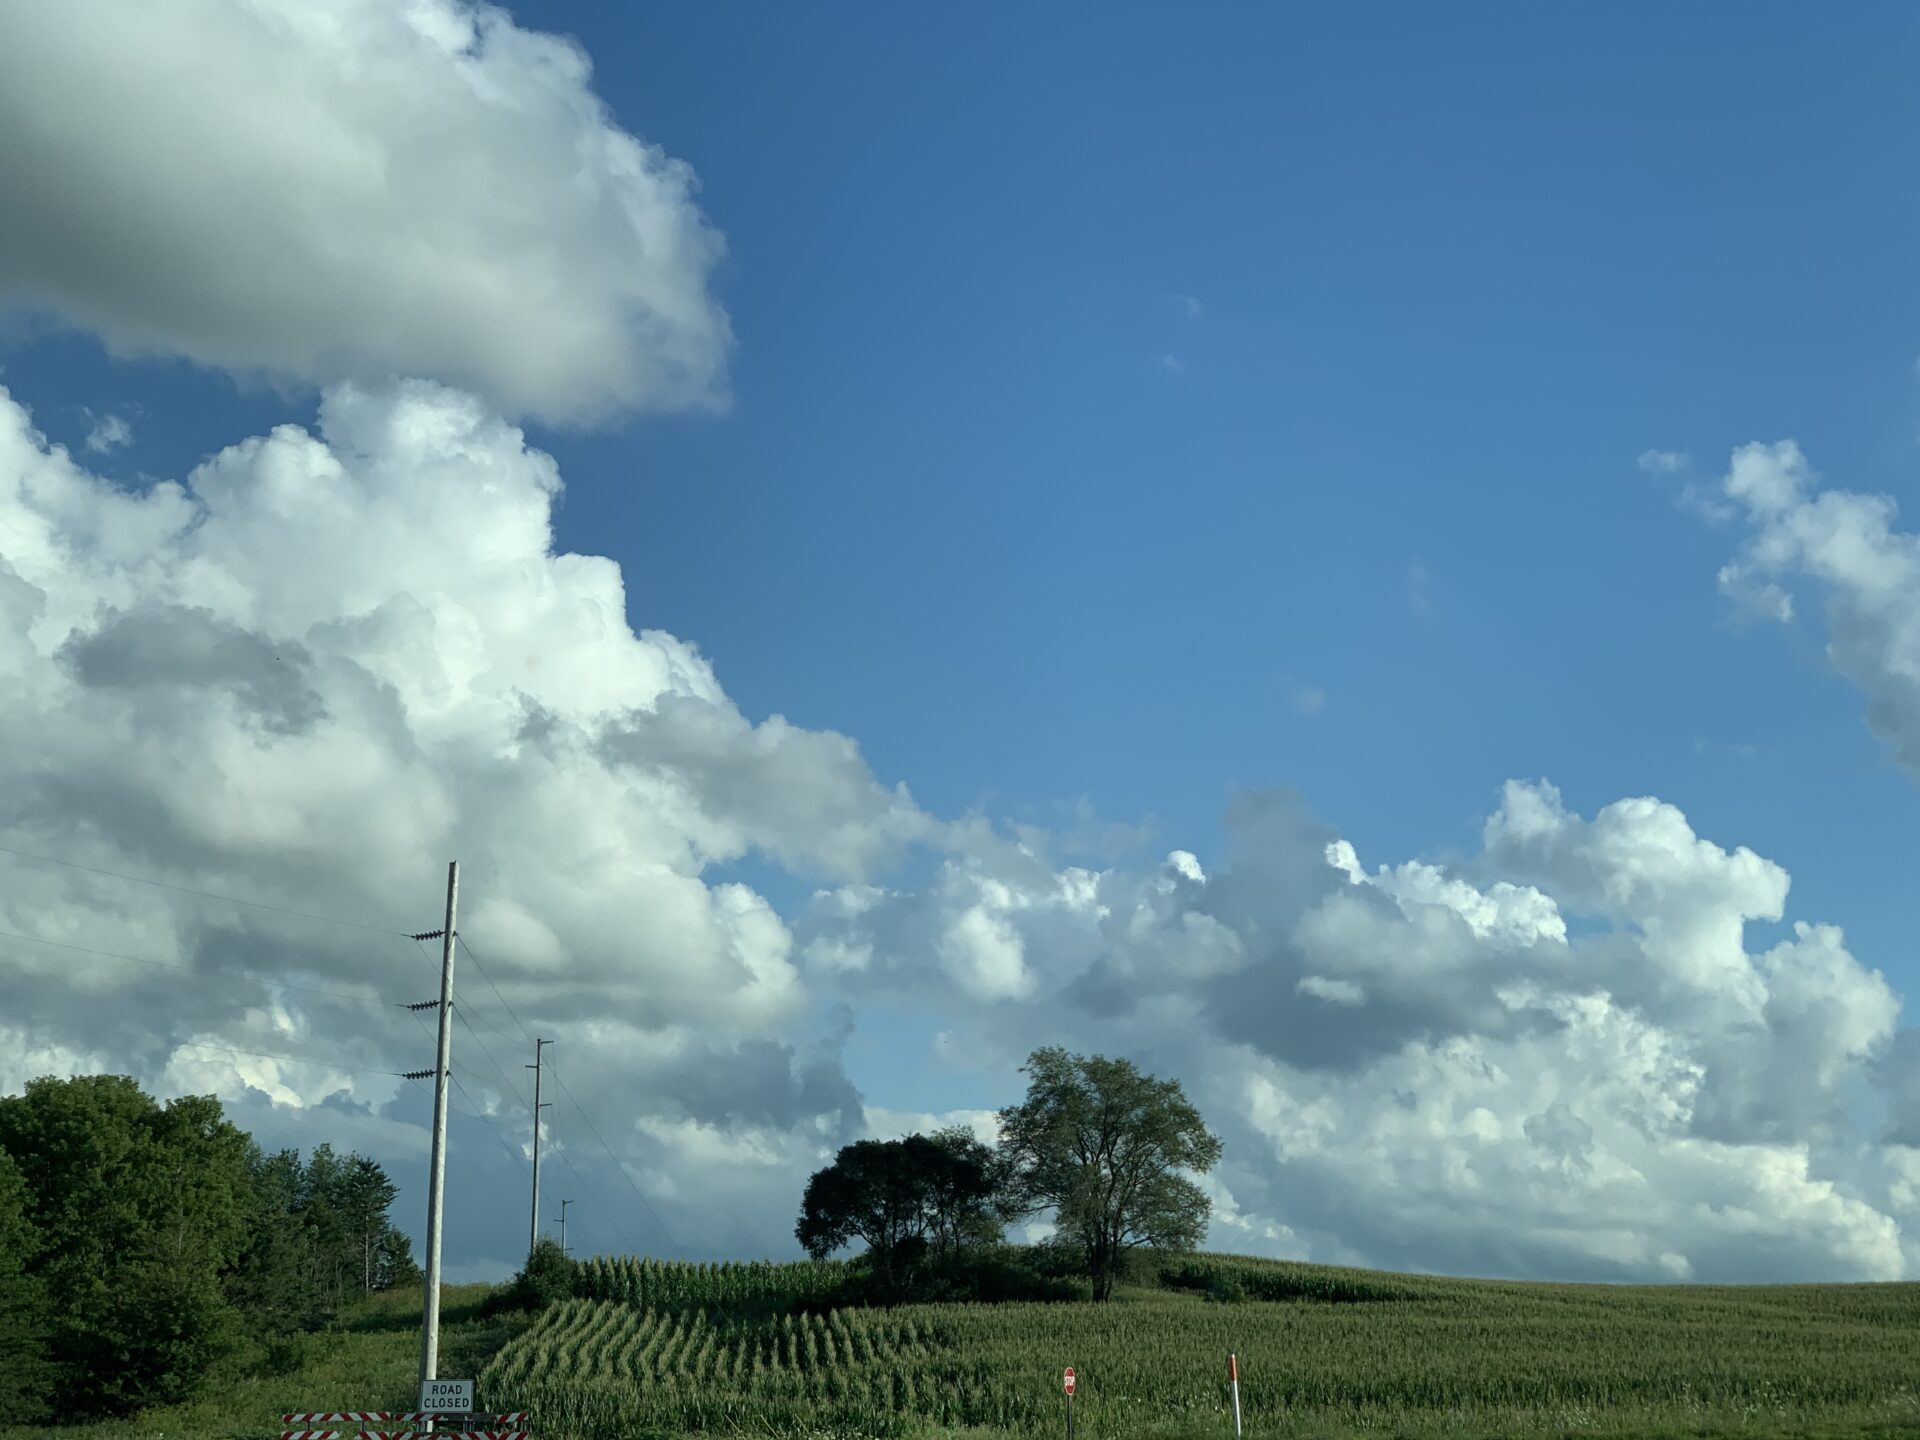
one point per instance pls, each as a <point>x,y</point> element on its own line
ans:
<point>1105,1152</point>
<point>139,1242</point>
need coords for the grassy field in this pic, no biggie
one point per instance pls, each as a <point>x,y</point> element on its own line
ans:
<point>1335,1353</point>
<point>370,1360</point>
<point>665,1350</point>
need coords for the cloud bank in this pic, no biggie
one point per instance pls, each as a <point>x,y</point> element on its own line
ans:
<point>327,659</point>
<point>325,662</point>
<point>322,191</point>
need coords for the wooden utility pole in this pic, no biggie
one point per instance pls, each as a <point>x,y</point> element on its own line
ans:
<point>437,1184</point>
<point>533,1214</point>
<point>563,1225</point>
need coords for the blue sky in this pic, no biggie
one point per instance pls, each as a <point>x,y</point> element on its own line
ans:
<point>1453,273</point>
<point>1130,409</point>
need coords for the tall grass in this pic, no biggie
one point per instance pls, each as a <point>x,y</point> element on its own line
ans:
<point>368,1359</point>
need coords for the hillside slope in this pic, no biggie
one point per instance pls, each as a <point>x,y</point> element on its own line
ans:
<point>369,1360</point>
<point>1333,1352</point>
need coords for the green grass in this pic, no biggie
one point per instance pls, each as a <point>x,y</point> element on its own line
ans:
<point>368,1360</point>
<point>1337,1353</point>
<point>1347,1353</point>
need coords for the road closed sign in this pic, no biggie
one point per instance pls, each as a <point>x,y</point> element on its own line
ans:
<point>446,1397</point>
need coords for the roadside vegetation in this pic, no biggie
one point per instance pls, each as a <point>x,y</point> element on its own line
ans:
<point>147,1248</point>
<point>161,1278</point>
<point>365,1356</point>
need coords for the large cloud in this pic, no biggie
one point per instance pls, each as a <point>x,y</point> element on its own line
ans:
<point>334,190</point>
<point>1428,1068</point>
<point>329,660</point>
<point>313,672</point>
<point>1848,547</point>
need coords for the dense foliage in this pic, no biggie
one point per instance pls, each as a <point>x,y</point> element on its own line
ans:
<point>926,1196</point>
<point>1108,1151</point>
<point>1103,1150</point>
<point>24,1372</point>
<point>1424,1355</point>
<point>138,1239</point>
<point>550,1275</point>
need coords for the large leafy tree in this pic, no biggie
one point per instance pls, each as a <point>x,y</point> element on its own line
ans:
<point>967,1201</point>
<point>141,1212</point>
<point>902,1198</point>
<point>1104,1146</point>
<point>24,1372</point>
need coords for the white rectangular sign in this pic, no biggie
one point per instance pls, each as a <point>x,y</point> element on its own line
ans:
<point>446,1397</point>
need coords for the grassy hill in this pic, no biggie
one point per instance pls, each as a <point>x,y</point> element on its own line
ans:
<point>660,1349</point>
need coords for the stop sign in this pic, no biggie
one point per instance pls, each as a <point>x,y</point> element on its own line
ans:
<point>1069,1379</point>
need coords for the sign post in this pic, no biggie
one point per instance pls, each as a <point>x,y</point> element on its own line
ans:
<point>1233,1379</point>
<point>446,1397</point>
<point>1068,1382</point>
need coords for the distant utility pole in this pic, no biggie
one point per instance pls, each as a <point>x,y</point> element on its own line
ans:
<point>437,1185</point>
<point>563,1225</point>
<point>533,1215</point>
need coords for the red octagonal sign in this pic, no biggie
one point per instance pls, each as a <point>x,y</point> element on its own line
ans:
<point>1069,1379</point>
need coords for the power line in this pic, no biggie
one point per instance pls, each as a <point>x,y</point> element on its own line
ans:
<point>202,894</point>
<point>193,969</point>
<point>460,1010</point>
<point>652,1214</point>
<point>594,1131</point>
<point>474,1111</point>
<point>226,1049</point>
<point>592,1192</point>
<point>481,1116</point>
<point>511,1088</point>
<point>594,1195</point>
<point>459,1014</point>
<point>477,965</point>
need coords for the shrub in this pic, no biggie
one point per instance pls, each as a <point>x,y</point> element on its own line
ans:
<point>549,1276</point>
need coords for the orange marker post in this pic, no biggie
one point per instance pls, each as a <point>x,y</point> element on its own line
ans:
<point>1233,1379</point>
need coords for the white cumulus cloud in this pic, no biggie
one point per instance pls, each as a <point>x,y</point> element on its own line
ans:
<point>345,190</point>
<point>309,673</point>
<point>1427,1067</point>
<point>1850,547</point>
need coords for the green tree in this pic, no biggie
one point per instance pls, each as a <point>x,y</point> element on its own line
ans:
<point>24,1370</point>
<point>967,1191</point>
<point>364,1195</point>
<point>333,1252</point>
<point>902,1197</point>
<point>393,1263</point>
<point>271,1282</point>
<point>550,1275</point>
<point>142,1213</point>
<point>1102,1145</point>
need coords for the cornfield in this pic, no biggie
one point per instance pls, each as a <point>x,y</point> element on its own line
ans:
<point>671,1286</point>
<point>1404,1354</point>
